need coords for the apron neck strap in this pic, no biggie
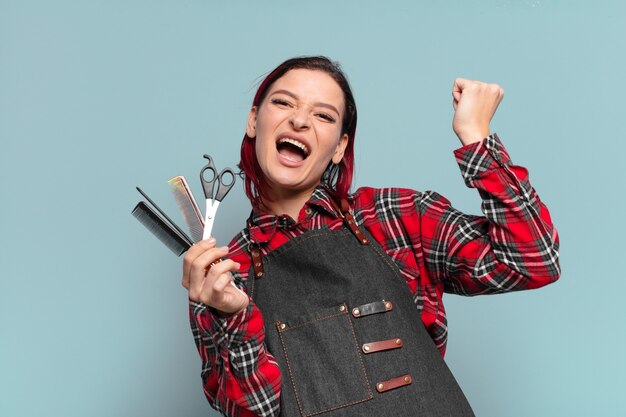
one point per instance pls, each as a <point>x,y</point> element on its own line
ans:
<point>344,211</point>
<point>349,220</point>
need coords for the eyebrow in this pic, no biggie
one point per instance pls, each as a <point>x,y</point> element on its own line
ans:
<point>319,103</point>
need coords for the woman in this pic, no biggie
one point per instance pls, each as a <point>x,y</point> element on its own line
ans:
<point>342,313</point>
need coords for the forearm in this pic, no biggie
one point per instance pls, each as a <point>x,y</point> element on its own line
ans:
<point>514,247</point>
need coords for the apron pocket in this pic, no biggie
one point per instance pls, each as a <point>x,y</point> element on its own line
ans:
<point>324,362</point>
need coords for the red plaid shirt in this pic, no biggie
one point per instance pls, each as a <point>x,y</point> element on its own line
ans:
<point>437,248</point>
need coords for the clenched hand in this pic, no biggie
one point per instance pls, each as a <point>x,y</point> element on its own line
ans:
<point>474,104</point>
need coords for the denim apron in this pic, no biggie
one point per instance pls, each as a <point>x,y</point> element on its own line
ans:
<point>346,334</point>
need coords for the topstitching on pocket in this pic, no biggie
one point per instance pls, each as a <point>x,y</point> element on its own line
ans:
<point>324,362</point>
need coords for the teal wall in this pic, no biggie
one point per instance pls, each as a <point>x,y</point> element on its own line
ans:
<point>99,96</point>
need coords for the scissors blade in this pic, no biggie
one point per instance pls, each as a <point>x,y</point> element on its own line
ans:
<point>212,206</point>
<point>208,218</point>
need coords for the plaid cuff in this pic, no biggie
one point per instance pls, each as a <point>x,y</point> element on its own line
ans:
<point>479,157</point>
<point>225,332</point>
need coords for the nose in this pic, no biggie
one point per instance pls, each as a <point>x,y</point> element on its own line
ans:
<point>299,118</point>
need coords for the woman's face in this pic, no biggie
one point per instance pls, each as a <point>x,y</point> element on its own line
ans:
<point>298,131</point>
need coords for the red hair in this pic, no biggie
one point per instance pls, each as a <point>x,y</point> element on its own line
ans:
<point>337,178</point>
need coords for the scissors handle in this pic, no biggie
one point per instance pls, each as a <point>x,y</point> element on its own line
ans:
<point>208,184</point>
<point>223,185</point>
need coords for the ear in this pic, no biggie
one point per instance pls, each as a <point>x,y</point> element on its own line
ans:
<point>251,125</point>
<point>341,148</point>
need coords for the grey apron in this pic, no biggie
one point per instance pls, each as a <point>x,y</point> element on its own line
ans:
<point>346,334</point>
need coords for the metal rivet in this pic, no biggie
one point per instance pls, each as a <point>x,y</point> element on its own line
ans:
<point>364,241</point>
<point>398,342</point>
<point>255,253</point>
<point>342,308</point>
<point>366,348</point>
<point>259,274</point>
<point>388,305</point>
<point>308,210</point>
<point>407,379</point>
<point>282,326</point>
<point>380,387</point>
<point>356,312</point>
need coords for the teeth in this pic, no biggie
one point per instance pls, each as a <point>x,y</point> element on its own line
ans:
<point>295,143</point>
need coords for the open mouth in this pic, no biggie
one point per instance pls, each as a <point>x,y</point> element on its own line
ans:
<point>292,149</point>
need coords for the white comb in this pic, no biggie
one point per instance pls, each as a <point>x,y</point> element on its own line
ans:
<point>188,207</point>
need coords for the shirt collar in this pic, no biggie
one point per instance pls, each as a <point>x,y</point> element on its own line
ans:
<point>322,199</point>
<point>262,226</point>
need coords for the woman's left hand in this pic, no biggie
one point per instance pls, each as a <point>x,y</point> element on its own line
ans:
<point>474,104</point>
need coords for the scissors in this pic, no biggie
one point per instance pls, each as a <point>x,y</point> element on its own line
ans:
<point>215,189</point>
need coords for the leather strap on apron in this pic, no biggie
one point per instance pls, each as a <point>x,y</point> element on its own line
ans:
<point>349,221</point>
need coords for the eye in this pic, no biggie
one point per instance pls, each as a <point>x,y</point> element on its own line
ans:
<point>326,117</point>
<point>280,102</point>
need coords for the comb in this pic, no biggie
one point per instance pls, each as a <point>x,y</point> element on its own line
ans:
<point>188,207</point>
<point>163,228</point>
<point>159,228</point>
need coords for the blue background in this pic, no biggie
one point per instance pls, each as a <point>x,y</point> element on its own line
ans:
<point>97,97</point>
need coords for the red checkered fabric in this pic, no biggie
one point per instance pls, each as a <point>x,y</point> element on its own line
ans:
<point>438,249</point>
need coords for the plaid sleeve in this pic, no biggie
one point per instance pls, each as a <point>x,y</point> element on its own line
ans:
<point>240,378</point>
<point>514,247</point>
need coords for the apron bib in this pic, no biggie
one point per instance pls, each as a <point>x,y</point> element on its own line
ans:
<point>344,329</point>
